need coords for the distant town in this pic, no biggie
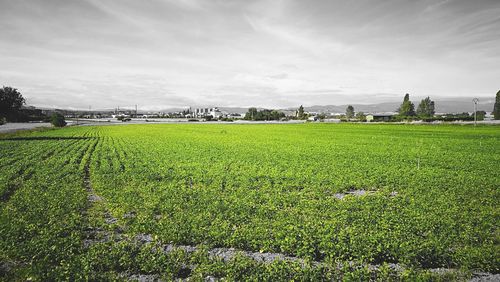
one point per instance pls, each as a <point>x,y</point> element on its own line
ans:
<point>15,110</point>
<point>221,114</point>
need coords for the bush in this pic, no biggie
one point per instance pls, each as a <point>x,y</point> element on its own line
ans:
<point>58,120</point>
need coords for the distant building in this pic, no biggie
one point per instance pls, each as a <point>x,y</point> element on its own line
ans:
<point>378,117</point>
<point>204,112</point>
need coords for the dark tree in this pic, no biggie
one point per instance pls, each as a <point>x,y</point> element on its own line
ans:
<point>277,115</point>
<point>57,120</point>
<point>251,114</point>
<point>254,114</point>
<point>480,115</point>
<point>300,113</point>
<point>496,107</point>
<point>11,102</point>
<point>321,116</point>
<point>349,112</point>
<point>407,108</point>
<point>426,108</point>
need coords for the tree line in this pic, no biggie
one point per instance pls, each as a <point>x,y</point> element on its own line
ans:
<point>426,111</point>
<point>11,103</point>
<point>265,114</point>
<point>11,109</point>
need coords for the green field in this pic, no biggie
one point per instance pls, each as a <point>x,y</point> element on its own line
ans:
<point>350,201</point>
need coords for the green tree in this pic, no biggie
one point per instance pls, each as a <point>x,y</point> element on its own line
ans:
<point>11,102</point>
<point>254,114</point>
<point>57,120</point>
<point>251,114</point>
<point>496,107</point>
<point>480,115</point>
<point>277,115</point>
<point>361,116</point>
<point>426,108</point>
<point>407,108</point>
<point>349,112</point>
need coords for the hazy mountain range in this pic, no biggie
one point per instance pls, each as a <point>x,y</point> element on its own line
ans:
<point>457,105</point>
<point>443,105</point>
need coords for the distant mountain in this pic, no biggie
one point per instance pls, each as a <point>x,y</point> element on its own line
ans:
<point>236,110</point>
<point>368,108</point>
<point>458,105</point>
<point>443,105</point>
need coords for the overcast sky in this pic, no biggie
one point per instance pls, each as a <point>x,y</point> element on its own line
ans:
<point>173,53</point>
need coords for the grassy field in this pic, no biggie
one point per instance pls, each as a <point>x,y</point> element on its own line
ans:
<point>250,202</point>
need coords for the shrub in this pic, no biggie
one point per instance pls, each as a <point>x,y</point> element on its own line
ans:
<point>58,120</point>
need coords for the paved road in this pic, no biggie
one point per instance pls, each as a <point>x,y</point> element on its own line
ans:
<point>12,127</point>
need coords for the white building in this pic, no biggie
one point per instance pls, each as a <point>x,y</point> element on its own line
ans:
<point>204,112</point>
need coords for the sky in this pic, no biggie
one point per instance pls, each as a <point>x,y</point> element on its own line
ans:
<point>276,53</point>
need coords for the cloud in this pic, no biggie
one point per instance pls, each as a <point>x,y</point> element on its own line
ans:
<point>273,53</point>
<point>278,76</point>
<point>437,5</point>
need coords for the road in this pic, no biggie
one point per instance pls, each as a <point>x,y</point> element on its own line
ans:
<point>13,127</point>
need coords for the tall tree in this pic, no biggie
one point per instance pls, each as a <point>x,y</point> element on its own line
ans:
<point>10,103</point>
<point>496,107</point>
<point>300,113</point>
<point>426,108</point>
<point>349,112</point>
<point>406,98</point>
<point>407,108</point>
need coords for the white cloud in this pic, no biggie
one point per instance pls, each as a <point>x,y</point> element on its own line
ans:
<point>271,53</point>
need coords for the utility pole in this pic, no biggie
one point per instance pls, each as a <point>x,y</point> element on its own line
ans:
<point>136,111</point>
<point>475,101</point>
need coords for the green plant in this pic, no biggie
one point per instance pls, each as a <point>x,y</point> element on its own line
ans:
<point>57,120</point>
<point>256,188</point>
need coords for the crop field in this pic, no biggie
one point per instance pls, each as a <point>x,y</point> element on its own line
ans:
<point>250,202</point>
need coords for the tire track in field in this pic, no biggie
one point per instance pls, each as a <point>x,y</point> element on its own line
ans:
<point>94,234</point>
<point>86,168</point>
<point>98,235</point>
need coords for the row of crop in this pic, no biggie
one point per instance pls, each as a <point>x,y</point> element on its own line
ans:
<point>41,224</point>
<point>273,190</point>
